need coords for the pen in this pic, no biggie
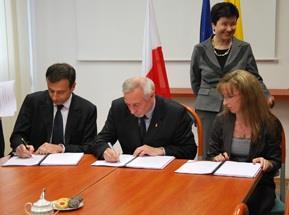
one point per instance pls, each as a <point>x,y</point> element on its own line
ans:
<point>225,155</point>
<point>25,143</point>
<point>110,146</point>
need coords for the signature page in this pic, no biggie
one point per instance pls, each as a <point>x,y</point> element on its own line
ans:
<point>238,169</point>
<point>151,162</point>
<point>17,161</point>
<point>123,160</point>
<point>62,159</point>
<point>198,167</point>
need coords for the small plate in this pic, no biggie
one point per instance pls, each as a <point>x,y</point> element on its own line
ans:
<point>67,209</point>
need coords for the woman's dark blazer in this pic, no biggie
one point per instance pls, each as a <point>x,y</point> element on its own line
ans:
<point>268,146</point>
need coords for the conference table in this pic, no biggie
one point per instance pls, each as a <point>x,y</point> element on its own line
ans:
<point>109,190</point>
<point>19,185</point>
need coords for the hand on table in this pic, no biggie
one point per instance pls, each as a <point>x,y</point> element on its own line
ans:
<point>266,165</point>
<point>148,150</point>
<point>221,157</point>
<point>49,148</point>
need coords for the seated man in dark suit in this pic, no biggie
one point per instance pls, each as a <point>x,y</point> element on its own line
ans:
<point>55,120</point>
<point>168,128</point>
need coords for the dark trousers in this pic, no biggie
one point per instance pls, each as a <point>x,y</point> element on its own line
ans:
<point>207,119</point>
<point>262,200</point>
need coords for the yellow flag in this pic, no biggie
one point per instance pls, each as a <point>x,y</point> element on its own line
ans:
<point>239,30</point>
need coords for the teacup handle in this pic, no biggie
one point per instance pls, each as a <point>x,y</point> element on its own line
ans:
<point>26,208</point>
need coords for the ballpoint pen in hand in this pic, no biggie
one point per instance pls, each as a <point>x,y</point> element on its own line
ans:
<point>110,146</point>
<point>25,143</point>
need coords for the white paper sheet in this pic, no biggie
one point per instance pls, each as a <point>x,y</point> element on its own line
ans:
<point>147,162</point>
<point>123,160</point>
<point>198,167</point>
<point>150,162</point>
<point>62,159</point>
<point>32,161</point>
<point>238,169</point>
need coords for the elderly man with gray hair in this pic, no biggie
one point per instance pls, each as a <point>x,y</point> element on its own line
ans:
<point>145,124</point>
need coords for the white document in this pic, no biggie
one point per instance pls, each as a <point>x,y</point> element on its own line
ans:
<point>147,162</point>
<point>62,159</point>
<point>151,162</point>
<point>198,167</point>
<point>238,169</point>
<point>17,161</point>
<point>123,160</point>
<point>7,99</point>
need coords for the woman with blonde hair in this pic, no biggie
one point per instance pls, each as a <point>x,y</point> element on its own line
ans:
<point>247,131</point>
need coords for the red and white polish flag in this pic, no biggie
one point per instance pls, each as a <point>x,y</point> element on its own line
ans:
<point>153,64</point>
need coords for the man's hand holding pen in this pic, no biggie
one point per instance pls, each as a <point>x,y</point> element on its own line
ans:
<point>222,157</point>
<point>24,150</point>
<point>110,154</point>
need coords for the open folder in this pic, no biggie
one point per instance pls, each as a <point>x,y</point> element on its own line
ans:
<point>146,162</point>
<point>227,168</point>
<point>50,159</point>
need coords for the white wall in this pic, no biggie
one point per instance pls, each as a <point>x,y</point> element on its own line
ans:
<point>54,33</point>
<point>175,20</point>
<point>55,40</point>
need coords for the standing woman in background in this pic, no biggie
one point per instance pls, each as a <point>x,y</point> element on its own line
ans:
<point>213,58</point>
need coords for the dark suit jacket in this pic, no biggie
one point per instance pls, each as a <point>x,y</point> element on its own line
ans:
<point>35,119</point>
<point>2,142</point>
<point>206,72</point>
<point>268,146</point>
<point>170,128</point>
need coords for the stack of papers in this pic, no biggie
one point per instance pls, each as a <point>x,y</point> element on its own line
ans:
<point>147,162</point>
<point>50,159</point>
<point>198,167</point>
<point>7,99</point>
<point>62,159</point>
<point>17,161</point>
<point>123,160</point>
<point>227,168</point>
<point>239,169</point>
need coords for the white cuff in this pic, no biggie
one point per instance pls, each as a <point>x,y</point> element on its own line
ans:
<point>63,148</point>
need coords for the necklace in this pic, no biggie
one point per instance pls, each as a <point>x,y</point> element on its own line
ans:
<point>223,54</point>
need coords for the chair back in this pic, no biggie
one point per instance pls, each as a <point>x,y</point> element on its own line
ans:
<point>280,199</point>
<point>241,209</point>
<point>282,169</point>
<point>196,121</point>
<point>287,205</point>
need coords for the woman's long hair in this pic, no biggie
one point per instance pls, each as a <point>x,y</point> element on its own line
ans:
<point>254,107</point>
